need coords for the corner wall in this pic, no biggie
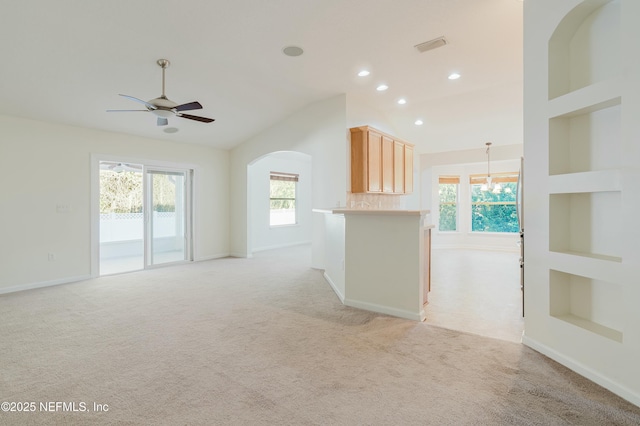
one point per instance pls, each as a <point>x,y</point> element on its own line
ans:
<point>318,130</point>
<point>267,237</point>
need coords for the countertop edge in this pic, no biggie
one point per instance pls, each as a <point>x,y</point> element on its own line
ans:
<point>382,212</point>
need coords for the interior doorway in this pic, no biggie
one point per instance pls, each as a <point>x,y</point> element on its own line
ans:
<point>145,216</point>
<point>476,291</point>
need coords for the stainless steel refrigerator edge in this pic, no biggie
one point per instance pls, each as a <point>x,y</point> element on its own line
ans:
<point>520,214</point>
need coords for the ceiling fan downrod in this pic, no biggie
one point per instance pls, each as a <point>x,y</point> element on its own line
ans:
<point>164,64</point>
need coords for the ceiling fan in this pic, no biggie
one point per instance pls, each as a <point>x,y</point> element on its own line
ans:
<point>163,107</point>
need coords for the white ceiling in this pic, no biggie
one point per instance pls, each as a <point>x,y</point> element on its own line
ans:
<point>66,61</point>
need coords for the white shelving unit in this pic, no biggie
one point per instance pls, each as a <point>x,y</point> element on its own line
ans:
<point>582,185</point>
<point>586,184</point>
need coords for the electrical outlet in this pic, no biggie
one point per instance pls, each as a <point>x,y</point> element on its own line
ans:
<point>51,257</point>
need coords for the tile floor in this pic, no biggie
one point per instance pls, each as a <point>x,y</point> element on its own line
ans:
<point>476,291</point>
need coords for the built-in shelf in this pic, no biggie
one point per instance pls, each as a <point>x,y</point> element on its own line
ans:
<point>587,169</point>
<point>587,303</point>
<point>587,141</point>
<point>588,99</point>
<point>592,256</point>
<point>586,223</point>
<point>606,268</point>
<point>609,333</point>
<point>577,58</point>
<point>595,181</point>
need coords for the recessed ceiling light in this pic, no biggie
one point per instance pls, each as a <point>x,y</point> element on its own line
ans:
<point>363,73</point>
<point>402,101</point>
<point>418,122</point>
<point>454,76</point>
<point>382,88</point>
<point>170,130</point>
<point>292,51</point>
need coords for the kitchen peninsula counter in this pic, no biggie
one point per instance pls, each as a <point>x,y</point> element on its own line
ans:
<point>384,262</point>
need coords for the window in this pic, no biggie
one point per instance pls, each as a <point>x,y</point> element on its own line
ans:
<point>283,189</point>
<point>493,209</point>
<point>448,193</point>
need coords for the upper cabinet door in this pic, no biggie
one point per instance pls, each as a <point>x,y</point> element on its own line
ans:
<point>387,165</point>
<point>408,169</point>
<point>374,161</point>
<point>398,167</point>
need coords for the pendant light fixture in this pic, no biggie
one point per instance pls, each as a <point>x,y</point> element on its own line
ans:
<point>489,185</point>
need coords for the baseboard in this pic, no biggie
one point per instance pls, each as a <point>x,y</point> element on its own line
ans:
<point>334,287</point>
<point>471,247</point>
<point>68,280</point>
<point>43,284</point>
<point>279,246</point>
<point>240,255</point>
<point>620,390</point>
<point>215,256</point>
<point>385,310</point>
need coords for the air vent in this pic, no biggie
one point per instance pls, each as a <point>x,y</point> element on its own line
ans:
<point>431,44</point>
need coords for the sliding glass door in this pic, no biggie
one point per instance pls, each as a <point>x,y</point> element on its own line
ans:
<point>167,219</point>
<point>145,216</point>
<point>121,222</point>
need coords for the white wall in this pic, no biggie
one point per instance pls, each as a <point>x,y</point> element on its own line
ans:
<point>334,252</point>
<point>268,237</point>
<point>361,113</point>
<point>464,163</point>
<point>318,130</point>
<point>580,307</point>
<point>46,165</point>
<point>384,263</point>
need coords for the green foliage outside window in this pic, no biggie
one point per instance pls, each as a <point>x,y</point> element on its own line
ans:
<point>448,206</point>
<point>282,202</point>
<point>494,212</point>
<point>283,194</point>
<point>120,192</point>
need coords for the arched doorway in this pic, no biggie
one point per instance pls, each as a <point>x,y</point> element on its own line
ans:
<point>279,201</point>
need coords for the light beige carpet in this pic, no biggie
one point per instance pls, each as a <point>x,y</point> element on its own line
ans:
<point>264,341</point>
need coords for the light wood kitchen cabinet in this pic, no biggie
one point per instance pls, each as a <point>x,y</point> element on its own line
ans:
<point>408,170</point>
<point>380,163</point>
<point>387,164</point>
<point>398,167</point>
<point>366,160</point>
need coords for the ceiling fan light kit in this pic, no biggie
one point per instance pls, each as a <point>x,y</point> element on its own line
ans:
<point>164,108</point>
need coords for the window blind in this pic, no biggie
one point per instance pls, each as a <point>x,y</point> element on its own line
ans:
<point>290,177</point>
<point>495,178</point>
<point>449,179</point>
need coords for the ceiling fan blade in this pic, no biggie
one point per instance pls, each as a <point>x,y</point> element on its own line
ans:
<point>147,104</point>
<point>189,106</point>
<point>127,110</point>
<point>162,121</point>
<point>196,118</point>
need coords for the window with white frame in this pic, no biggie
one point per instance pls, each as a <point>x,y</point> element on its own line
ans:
<point>283,192</point>
<point>448,195</point>
<point>493,202</point>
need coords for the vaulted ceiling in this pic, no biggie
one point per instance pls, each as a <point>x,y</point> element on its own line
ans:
<point>66,61</point>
